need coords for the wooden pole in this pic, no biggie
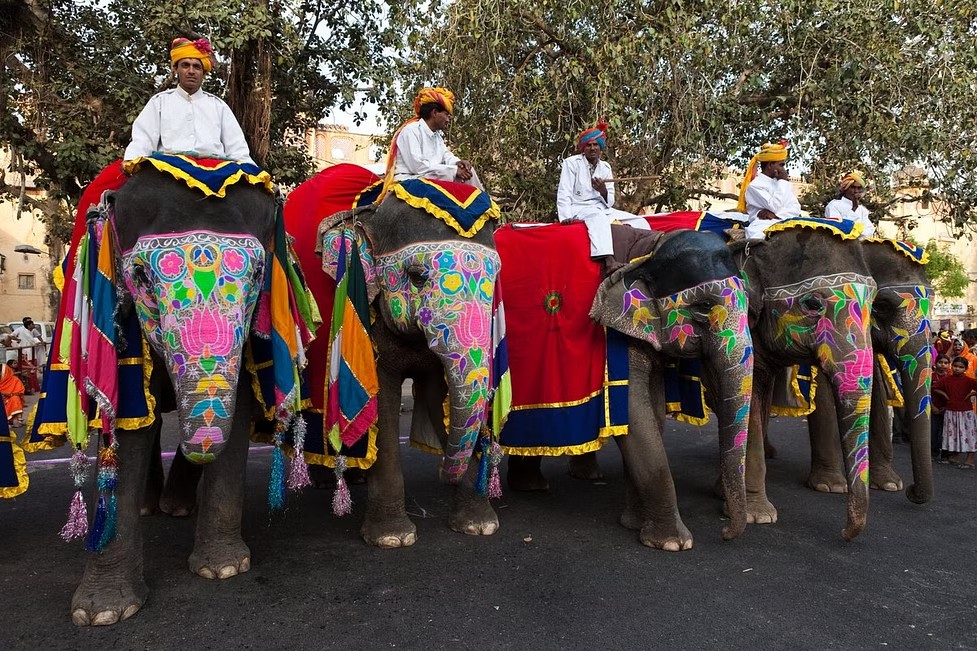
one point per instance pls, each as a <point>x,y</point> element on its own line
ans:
<point>653,177</point>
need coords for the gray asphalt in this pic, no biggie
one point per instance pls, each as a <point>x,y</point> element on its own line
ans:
<point>560,573</point>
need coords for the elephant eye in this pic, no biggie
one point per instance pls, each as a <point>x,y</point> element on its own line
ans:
<point>813,304</point>
<point>139,273</point>
<point>417,275</point>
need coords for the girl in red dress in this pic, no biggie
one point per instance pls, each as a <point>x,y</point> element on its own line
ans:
<point>960,423</point>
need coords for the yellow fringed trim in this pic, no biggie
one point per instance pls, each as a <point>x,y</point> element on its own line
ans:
<point>807,407</point>
<point>263,179</point>
<point>789,224</point>
<point>924,259</point>
<point>20,469</point>
<point>606,433</point>
<point>895,399</point>
<point>426,205</point>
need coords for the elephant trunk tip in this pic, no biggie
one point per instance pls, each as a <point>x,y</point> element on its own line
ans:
<point>854,528</point>
<point>917,495</point>
<point>735,528</point>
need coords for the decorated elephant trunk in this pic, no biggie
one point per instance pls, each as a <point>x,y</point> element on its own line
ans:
<point>829,316</point>
<point>446,294</point>
<point>195,294</point>
<point>844,351</point>
<point>910,338</point>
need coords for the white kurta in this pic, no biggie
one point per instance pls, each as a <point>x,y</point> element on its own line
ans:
<point>577,200</point>
<point>766,193</point>
<point>177,123</point>
<point>421,153</point>
<point>841,208</point>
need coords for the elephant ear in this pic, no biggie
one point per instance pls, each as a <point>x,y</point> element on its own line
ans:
<point>624,303</point>
<point>330,243</point>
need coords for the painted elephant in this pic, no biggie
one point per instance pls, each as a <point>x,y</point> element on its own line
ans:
<point>193,269</point>
<point>680,297</point>
<point>685,300</point>
<point>901,331</point>
<point>431,290</point>
<point>810,294</point>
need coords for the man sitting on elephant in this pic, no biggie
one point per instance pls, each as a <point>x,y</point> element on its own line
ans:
<point>418,149</point>
<point>767,197</point>
<point>586,195</point>
<point>848,205</point>
<point>186,119</point>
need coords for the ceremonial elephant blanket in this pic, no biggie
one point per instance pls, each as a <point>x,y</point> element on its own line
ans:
<point>568,373</point>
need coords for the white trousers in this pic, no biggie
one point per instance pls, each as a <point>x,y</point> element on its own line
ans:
<point>598,221</point>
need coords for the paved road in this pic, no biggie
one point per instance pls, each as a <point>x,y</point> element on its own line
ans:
<point>560,573</point>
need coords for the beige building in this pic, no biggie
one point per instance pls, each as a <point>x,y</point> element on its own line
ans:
<point>332,144</point>
<point>25,263</point>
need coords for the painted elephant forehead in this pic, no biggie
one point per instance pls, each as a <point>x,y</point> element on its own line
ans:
<point>194,292</point>
<point>830,281</point>
<point>456,267</point>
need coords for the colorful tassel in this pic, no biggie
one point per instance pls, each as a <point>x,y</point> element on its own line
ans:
<point>108,477</point>
<point>108,534</point>
<point>495,459</point>
<point>77,525</point>
<point>276,482</point>
<point>481,479</point>
<point>342,501</point>
<point>298,471</point>
<point>98,527</point>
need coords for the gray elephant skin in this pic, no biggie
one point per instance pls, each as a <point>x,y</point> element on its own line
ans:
<point>810,296</point>
<point>431,290</point>
<point>901,332</point>
<point>192,268</point>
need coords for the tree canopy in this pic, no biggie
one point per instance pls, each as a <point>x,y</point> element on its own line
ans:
<point>691,88</point>
<point>77,72</point>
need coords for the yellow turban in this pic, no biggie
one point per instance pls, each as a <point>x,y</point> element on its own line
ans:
<point>854,177</point>
<point>441,96</point>
<point>182,48</point>
<point>768,152</point>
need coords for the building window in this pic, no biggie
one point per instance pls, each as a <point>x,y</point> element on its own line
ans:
<point>342,148</point>
<point>25,281</point>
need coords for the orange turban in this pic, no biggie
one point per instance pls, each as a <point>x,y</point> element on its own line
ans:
<point>854,177</point>
<point>441,96</point>
<point>768,152</point>
<point>182,48</point>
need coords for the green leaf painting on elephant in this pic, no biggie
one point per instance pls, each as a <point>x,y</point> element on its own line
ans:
<point>451,311</point>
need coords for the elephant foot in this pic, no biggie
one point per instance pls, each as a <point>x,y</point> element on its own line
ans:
<point>524,474</point>
<point>769,451</point>
<point>885,478</point>
<point>220,559</point>
<point>177,506</point>
<point>476,518</point>
<point>585,466</point>
<point>389,532</point>
<point>631,519</point>
<point>150,504</point>
<point>827,480</point>
<point>102,600</point>
<point>759,510</point>
<point>670,537</point>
